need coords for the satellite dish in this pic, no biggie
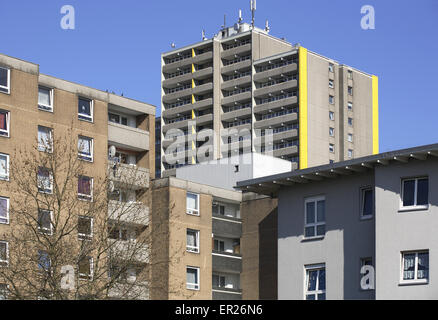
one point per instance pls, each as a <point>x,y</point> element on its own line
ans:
<point>112,151</point>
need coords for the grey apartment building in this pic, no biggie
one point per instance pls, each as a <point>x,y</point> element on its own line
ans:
<point>260,93</point>
<point>379,211</point>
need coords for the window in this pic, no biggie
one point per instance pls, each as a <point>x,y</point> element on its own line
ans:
<point>331,67</point>
<point>44,262</point>
<point>366,203</point>
<point>85,228</point>
<point>45,98</point>
<point>350,121</point>
<point>315,283</point>
<point>332,115</point>
<point>331,99</point>
<point>5,79</point>
<point>415,267</point>
<point>193,203</point>
<point>219,245</point>
<point>44,180</point>
<point>85,109</point>
<point>112,117</point>
<point>331,84</point>
<point>118,233</point>
<point>45,221</point>
<point>349,74</point>
<point>85,148</point>
<point>350,106</point>
<point>4,210</point>
<point>192,241</point>
<point>350,137</point>
<point>4,123</point>
<point>3,291</point>
<point>314,217</point>
<point>332,147</point>
<point>218,281</point>
<point>350,153</point>
<point>86,268</point>
<point>4,253</point>
<point>218,209</point>
<point>350,90</point>
<point>4,166</point>
<point>45,139</point>
<point>415,193</point>
<point>331,132</point>
<point>85,188</point>
<point>193,278</point>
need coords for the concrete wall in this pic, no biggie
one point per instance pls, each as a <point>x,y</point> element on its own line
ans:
<point>347,238</point>
<point>398,231</point>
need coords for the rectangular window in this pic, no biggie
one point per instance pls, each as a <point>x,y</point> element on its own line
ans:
<point>349,74</point>
<point>314,217</point>
<point>415,267</point>
<point>4,210</point>
<point>85,228</point>
<point>350,106</point>
<point>193,278</point>
<point>350,121</point>
<point>331,99</point>
<point>218,281</point>
<point>366,203</point>
<point>44,180</point>
<point>3,291</point>
<point>350,90</point>
<point>192,241</point>
<point>4,166</point>
<point>350,153</point>
<point>331,67</point>
<point>45,139</point>
<point>415,193</point>
<point>5,118</point>
<point>193,203</point>
<point>85,188</point>
<point>116,118</point>
<point>86,268</point>
<point>331,84</point>
<point>332,115</point>
<point>331,132</point>
<point>331,147</point>
<point>45,98</point>
<point>218,209</point>
<point>85,148</point>
<point>4,253</point>
<point>45,221</point>
<point>315,282</point>
<point>85,109</point>
<point>44,262</point>
<point>219,245</point>
<point>350,137</point>
<point>5,79</point>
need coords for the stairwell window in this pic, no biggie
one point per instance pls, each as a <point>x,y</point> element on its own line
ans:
<point>331,67</point>
<point>331,147</point>
<point>5,80</point>
<point>85,148</point>
<point>4,210</point>
<point>314,218</point>
<point>192,241</point>
<point>44,180</point>
<point>4,167</point>
<point>85,188</point>
<point>45,98</point>
<point>331,132</point>
<point>4,253</point>
<point>45,139</point>
<point>193,278</point>
<point>331,83</point>
<point>5,118</point>
<point>331,115</point>
<point>85,228</point>
<point>415,267</point>
<point>415,193</point>
<point>85,109</point>
<point>315,282</point>
<point>350,153</point>
<point>85,268</point>
<point>192,203</point>
<point>45,218</point>
<point>331,99</point>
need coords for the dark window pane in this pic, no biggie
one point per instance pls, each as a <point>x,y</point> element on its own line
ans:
<point>310,297</point>
<point>423,192</point>
<point>84,226</point>
<point>312,276</point>
<point>321,280</point>
<point>84,107</point>
<point>3,77</point>
<point>367,203</point>
<point>408,193</point>
<point>320,230</point>
<point>310,212</point>
<point>423,266</point>
<point>321,296</point>
<point>310,232</point>
<point>321,211</point>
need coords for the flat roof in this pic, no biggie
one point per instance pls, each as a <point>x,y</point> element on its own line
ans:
<point>270,184</point>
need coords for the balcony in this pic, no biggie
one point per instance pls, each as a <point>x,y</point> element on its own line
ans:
<point>136,291</point>
<point>128,212</point>
<point>236,66</point>
<point>129,250</point>
<point>219,293</point>
<point>128,176</point>
<point>226,226</point>
<point>275,72</point>
<point>128,137</point>
<point>275,88</point>
<point>262,124</point>
<point>236,50</point>
<point>235,98</point>
<point>286,151</point>
<point>227,262</point>
<point>245,112</point>
<point>201,120</point>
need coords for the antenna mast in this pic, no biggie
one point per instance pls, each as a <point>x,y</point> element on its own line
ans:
<point>253,9</point>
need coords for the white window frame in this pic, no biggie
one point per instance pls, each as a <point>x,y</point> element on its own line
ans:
<point>362,203</point>
<point>315,267</point>
<point>350,137</point>
<point>219,277</point>
<point>5,262</point>
<point>331,115</point>
<point>331,99</point>
<point>86,117</point>
<point>84,236</point>
<point>8,87</point>
<point>331,67</point>
<point>331,148</point>
<point>7,210</point>
<point>191,211</point>
<point>415,206</point>
<point>415,280</point>
<point>50,189</point>
<point>194,286</point>
<point>350,105</point>
<point>6,177</point>
<point>84,276</point>
<point>41,147</point>
<point>87,197</point>
<point>316,223</point>
<point>331,132</point>
<point>350,153</point>
<point>45,230</point>
<point>44,107</point>
<point>120,118</point>
<point>193,249</point>
<point>83,156</point>
<point>331,83</point>
<point>6,133</point>
<point>348,121</point>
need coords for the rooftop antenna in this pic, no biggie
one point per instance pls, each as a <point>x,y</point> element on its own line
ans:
<point>172,44</point>
<point>240,16</point>
<point>253,9</point>
<point>225,21</point>
<point>267,28</point>
<point>203,35</point>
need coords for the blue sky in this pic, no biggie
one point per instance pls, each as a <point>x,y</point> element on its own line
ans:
<point>117,44</point>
